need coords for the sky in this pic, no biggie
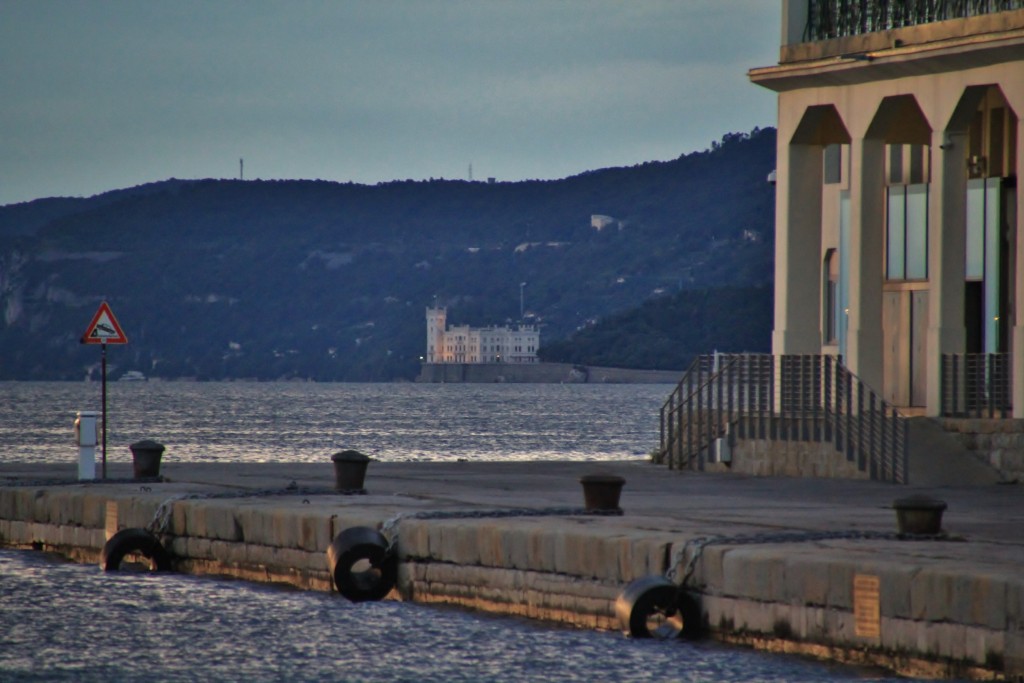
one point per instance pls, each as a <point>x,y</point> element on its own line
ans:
<point>101,95</point>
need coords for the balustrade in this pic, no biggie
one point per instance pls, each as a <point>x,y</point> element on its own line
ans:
<point>839,18</point>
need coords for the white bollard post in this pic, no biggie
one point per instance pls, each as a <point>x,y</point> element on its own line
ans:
<point>86,438</point>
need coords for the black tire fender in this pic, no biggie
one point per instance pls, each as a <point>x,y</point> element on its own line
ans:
<point>129,541</point>
<point>377,570</point>
<point>654,607</point>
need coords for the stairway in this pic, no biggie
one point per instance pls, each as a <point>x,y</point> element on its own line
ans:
<point>937,458</point>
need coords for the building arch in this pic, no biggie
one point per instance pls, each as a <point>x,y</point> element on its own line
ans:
<point>821,125</point>
<point>804,190</point>
<point>899,120</point>
<point>895,208</point>
<point>988,126</point>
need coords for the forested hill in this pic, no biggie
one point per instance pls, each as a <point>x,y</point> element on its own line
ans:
<point>667,332</point>
<point>216,279</point>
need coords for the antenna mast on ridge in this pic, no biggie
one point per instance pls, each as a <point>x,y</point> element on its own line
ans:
<point>241,169</point>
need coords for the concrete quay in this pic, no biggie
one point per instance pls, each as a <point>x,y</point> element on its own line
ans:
<point>808,566</point>
<point>542,373</point>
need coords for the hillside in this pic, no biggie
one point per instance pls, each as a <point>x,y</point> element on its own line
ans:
<point>667,332</point>
<point>218,279</point>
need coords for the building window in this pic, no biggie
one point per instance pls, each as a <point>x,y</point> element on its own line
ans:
<point>831,298</point>
<point>907,164</point>
<point>832,163</point>
<point>985,265</point>
<point>907,232</point>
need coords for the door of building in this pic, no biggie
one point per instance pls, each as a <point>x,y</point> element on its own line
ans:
<point>904,330</point>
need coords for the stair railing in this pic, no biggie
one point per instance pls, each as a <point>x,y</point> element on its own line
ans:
<point>781,398</point>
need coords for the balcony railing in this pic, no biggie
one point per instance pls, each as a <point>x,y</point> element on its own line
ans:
<point>840,18</point>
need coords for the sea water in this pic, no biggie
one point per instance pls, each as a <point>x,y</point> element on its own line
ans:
<point>306,422</point>
<point>61,621</point>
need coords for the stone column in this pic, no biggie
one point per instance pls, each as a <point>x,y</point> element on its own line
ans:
<point>867,223</point>
<point>797,249</point>
<point>947,201</point>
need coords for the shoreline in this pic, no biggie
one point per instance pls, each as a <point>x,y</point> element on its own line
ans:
<point>773,561</point>
<point>540,373</point>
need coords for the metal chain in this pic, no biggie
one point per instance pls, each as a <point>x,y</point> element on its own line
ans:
<point>161,522</point>
<point>389,528</point>
<point>697,545</point>
<point>14,482</point>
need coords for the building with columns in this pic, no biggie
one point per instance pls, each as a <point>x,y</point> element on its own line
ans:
<point>900,145</point>
<point>464,344</point>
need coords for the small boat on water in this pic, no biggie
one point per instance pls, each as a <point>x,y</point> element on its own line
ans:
<point>132,376</point>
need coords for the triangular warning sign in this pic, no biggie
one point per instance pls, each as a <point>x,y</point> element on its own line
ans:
<point>104,328</point>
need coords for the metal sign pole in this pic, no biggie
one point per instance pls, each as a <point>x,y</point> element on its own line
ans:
<point>103,354</point>
<point>104,329</point>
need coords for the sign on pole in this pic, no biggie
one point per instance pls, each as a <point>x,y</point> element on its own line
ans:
<point>104,328</point>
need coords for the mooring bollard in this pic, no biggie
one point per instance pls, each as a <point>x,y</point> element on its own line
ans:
<point>919,514</point>
<point>349,470</point>
<point>601,491</point>
<point>146,456</point>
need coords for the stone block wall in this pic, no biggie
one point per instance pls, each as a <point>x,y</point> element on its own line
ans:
<point>930,616</point>
<point>999,442</point>
<point>770,458</point>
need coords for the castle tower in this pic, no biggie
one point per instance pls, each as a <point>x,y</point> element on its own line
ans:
<point>437,320</point>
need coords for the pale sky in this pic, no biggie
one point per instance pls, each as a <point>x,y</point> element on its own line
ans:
<point>103,94</point>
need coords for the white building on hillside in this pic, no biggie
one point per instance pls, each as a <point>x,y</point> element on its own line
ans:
<point>464,344</point>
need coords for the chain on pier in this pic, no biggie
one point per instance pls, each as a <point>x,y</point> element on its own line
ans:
<point>697,545</point>
<point>390,526</point>
<point>161,522</point>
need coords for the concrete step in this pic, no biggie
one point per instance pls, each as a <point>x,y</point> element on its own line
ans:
<point>937,458</point>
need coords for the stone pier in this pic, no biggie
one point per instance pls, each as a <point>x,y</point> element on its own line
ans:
<point>809,566</point>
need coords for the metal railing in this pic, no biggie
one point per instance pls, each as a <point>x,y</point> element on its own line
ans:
<point>840,18</point>
<point>977,385</point>
<point>810,398</point>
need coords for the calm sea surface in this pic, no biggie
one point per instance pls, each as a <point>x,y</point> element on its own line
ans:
<point>289,422</point>
<point>61,621</point>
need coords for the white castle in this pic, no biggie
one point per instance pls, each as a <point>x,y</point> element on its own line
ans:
<point>465,344</point>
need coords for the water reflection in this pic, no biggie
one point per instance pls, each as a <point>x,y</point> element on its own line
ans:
<point>241,422</point>
<point>63,622</point>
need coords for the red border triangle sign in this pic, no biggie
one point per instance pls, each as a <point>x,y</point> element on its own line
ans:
<point>104,328</point>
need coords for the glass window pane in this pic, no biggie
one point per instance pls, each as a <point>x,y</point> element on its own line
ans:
<point>895,164</point>
<point>919,164</point>
<point>833,164</point>
<point>992,275</point>
<point>844,269</point>
<point>897,234</point>
<point>917,232</point>
<point>975,248</point>
<point>831,296</point>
